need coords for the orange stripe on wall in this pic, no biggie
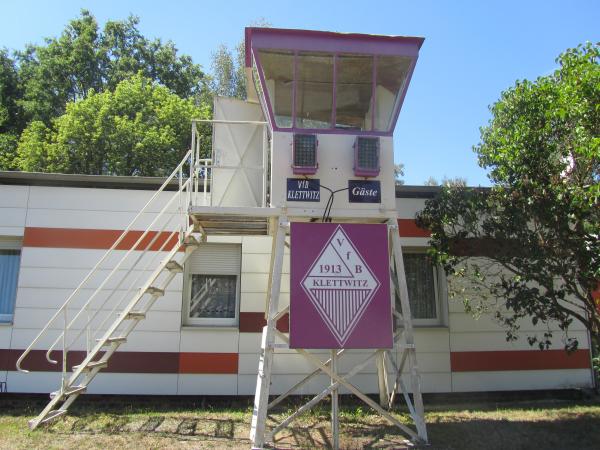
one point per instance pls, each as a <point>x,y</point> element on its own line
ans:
<point>408,228</point>
<point>222,363</point>
<point>518,360</point>
<point>104,239</point>
<point>94,239</point>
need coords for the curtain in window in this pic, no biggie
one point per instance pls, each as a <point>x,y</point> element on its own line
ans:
<point>9,274</point>
<point>421,285</point>
<point>213,296</point>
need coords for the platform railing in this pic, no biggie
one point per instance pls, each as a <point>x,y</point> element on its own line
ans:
<point>166,229</point>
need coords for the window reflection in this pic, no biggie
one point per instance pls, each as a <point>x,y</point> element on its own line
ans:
<point>314,90</point>
<point>392,72</point>
<point>354,91</point>
<point>278,69</point>
<point>355,108</point>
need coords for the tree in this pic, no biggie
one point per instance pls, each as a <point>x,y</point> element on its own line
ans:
<point>141,128</point>
<point>84,58</point>
<point>456,181</point>
<point>229,67</point>
<point>398,174</point>
<point>11,118</point>
<point>229,76</point>
<point>530,245</point>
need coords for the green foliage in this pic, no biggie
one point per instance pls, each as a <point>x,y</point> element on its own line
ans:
<point>85,58</point>
<point>11,119</point>
<point>8,150</point>
<point>139,129</point>
<point>398,174</point>
<point>65,105</point>
<point>229,68</point>
<point>456,181</point>
<point>229,76</point>
<point>536,231</point>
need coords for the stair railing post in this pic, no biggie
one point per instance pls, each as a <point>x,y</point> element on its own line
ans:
<point>88,330</point>
<point>64,352</point>
<point>205,181</point>
<point>194,164</point>
<point>180,207</point>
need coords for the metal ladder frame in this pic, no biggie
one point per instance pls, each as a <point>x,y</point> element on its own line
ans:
<point>184,236</point>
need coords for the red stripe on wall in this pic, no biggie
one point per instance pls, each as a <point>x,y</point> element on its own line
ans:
<point>253,322</point>
<point>518,360</point>
<point>104,239</point>
<point>94,239</point>
<point>130,362</point>
<point>409,228</point>
<point>208,363</point>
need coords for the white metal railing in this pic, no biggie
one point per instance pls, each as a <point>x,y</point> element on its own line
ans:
<point>166,229</point>
<point>102,296</point>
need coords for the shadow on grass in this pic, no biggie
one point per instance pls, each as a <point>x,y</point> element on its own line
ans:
<point>575,433</point>
<point>556,423</point>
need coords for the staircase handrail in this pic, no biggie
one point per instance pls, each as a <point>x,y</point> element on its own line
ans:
<point>178,171</point>
<point>113,271</point>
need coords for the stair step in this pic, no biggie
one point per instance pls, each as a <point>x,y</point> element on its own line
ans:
<point>71,391</point>
<point>152,290</point>
<point>136,315</point>
<point>114,340</point>
<point>49,417</point>
<point>93,365</point>
<point>174,266</point>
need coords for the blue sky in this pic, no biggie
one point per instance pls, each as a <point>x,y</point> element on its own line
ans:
<point>473,50</point>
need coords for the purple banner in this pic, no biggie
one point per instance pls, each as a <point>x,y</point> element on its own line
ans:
<point>340,286</point>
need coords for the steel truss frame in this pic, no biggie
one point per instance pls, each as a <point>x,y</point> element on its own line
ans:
<point>403,340</point>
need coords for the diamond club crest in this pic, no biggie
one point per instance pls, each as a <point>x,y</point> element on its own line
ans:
<point>340,285</point>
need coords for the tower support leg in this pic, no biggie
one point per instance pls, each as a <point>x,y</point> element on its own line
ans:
<point>335,423</point>
<point>263,382</point>
<point>415,379</point>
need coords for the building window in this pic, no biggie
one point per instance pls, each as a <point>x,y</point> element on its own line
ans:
<point>314,90</point>
<point>425,288</point>
<point>333,91</point>
<point>278,67</point>
<point>10,259</point>
<point>354,92</point>
<point>212,285</point>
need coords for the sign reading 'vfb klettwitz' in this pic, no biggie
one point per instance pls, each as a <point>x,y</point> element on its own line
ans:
<point>340,288</point>
<point>303,190</point>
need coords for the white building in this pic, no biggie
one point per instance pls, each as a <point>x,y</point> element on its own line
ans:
<point>54,228</point>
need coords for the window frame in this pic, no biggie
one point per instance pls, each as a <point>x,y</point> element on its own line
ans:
<point>439,289</point>
<point>188,321</point>
<point>12,243</point>
<point>269,107</point>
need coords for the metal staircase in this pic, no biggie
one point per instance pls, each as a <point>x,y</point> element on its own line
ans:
<point>146,263</point>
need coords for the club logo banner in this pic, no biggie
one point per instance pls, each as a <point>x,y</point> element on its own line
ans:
<point>340,286</point>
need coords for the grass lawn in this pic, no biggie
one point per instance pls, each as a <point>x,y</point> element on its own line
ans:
<point>106,422</point>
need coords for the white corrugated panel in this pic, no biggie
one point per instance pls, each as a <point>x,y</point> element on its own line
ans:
<point>216,259</point>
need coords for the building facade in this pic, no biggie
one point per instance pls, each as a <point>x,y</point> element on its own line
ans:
<point>54,228</point>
